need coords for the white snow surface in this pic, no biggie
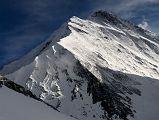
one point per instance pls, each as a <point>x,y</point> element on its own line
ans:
<point>15,106</point>
<point>93,43</point>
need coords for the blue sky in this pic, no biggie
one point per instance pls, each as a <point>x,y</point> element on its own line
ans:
<point>26,23</point>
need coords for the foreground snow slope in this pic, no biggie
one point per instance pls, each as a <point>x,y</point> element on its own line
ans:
<point>15,106</point>
<point>94,69</point>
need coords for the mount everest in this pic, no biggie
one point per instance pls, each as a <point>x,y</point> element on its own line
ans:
<point>101,68</point>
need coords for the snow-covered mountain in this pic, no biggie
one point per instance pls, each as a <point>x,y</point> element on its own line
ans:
<point>95,69</point>
<point>15,106</point>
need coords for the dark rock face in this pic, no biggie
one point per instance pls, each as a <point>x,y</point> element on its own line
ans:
<point>10,84</point>
<point>13,86</point>
<point>111,94</point>
<point>107,16</point>
<point>45,46</point>
<point>113,104</point>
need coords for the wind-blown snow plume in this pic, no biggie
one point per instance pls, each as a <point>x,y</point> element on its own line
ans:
<point>144,25</point>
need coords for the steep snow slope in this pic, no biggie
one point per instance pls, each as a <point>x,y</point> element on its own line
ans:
<point>28,58</point>
<point>15,106</point>
<point>100,68</point>
<point>110,46</point>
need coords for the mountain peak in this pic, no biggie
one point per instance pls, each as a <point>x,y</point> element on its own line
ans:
<point>105,15</point>
<point>94,69</point>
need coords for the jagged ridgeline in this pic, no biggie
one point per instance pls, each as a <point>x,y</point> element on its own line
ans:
<point>101,68</point>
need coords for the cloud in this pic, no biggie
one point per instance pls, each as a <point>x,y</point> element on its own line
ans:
<point>122,7</point>
<point>144,25</point>
<point>133,11</point>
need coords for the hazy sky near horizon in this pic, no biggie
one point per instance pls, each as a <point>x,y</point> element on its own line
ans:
<point>26,23</point>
